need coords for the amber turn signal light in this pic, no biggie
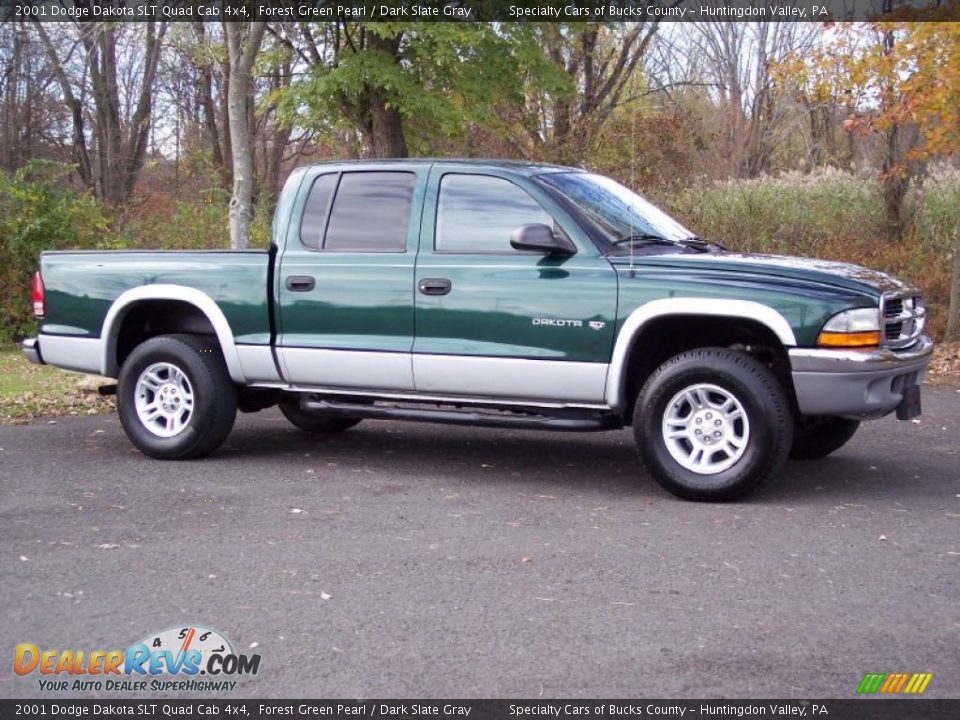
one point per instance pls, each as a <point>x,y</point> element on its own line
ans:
<point>869,339</point>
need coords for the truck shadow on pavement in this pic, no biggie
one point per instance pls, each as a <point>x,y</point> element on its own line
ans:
<point>606,461</point>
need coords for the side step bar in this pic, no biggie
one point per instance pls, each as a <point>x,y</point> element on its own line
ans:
<point>568,421</point>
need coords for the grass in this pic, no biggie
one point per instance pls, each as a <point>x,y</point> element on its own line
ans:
<point>29,391</point>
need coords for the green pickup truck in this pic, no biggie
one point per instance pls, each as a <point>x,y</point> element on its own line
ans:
<point>497,294</point>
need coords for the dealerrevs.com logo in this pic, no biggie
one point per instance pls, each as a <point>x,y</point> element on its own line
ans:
<point>176,659</point>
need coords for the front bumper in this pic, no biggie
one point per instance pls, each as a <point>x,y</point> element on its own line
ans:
<point>854,383</point>
<point>31,350</point>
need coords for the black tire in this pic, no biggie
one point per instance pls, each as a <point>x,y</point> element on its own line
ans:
<point>815,437</point>
<point>214,409</point>
<point>766,433</point>
<point>313,422</point>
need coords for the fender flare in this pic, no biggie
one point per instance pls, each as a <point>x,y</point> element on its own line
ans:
<point>716,307</point>
<point>200,300</point>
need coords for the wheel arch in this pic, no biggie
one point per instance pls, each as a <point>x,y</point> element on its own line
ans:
<point>185,307</point>
<point>719,321</point>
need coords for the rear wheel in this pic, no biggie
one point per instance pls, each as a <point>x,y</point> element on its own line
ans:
<point>311,421</point>
<point>711,424</point>
<point>175,398</point>
<point>816,437</point>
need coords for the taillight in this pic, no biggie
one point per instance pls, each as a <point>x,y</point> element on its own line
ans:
<point>39,297</point>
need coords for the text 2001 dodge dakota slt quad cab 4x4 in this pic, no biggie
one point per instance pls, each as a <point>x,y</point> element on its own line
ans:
<point>491,294</point>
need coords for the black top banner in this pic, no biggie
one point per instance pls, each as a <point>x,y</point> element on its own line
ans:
<point>157,709</point>
<point>476,10</point>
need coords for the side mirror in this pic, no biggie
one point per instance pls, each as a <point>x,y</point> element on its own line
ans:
<point>541,238</point>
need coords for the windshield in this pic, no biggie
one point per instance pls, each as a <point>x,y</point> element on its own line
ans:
<point>620,213</point>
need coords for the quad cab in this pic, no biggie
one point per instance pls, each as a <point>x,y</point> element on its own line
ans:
<point>492,294</point>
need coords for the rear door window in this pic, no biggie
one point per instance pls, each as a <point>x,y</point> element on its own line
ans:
<point>371,212</point>
<point>315,211</point>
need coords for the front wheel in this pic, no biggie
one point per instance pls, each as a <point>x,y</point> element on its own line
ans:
<point>711,424</point>
<point>175,398</point>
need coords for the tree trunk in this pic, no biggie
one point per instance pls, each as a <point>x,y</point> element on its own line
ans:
<point>894,175</point>
<point>895,182</point>
<point>211,131</point>
<point>386,136</point>
<point>953,314</point>
<point>242,54</point>
<point>99,40</point>
<point>135,146</point>
<point>226,146</point>
<point>13,155</point>
<point>276,135</point>
<point>384,130</point>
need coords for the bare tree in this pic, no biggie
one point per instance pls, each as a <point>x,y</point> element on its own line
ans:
<point>732,63</point>
<point>737,59</point>
<point>116,66</point>
<point>243,44</point>
<point>216,134</point>
<point>15,89</point>
<point>272,144</point>
<point>81,153</point>
<point>598,63</point>
<point>33,120</point>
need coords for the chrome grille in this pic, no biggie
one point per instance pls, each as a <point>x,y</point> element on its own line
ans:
<point>903,319</point>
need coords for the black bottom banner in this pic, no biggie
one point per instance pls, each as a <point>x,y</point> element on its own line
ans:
<point>892,709</point>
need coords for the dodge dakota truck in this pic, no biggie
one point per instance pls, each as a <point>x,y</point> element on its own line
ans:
<point>496,294</point>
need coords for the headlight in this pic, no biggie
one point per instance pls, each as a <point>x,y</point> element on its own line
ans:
<point>857,328</point>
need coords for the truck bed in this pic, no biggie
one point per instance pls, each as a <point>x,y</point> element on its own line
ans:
<point>82,285</point>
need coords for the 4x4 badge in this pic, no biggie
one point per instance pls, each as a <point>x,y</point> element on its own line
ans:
<point>597,324</point>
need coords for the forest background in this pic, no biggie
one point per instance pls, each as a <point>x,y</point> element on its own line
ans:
<point>834,141</point>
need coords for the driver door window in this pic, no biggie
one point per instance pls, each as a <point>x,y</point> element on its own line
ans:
<point>476,214</point>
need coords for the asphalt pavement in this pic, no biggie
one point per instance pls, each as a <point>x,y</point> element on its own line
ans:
<point>407,560</point>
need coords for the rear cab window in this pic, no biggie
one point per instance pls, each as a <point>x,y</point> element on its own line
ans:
<point>358,212</point>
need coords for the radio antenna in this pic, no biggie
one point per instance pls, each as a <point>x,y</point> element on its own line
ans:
<point>633,164</point>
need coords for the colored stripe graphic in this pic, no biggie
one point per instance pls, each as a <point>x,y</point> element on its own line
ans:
<point>894,683</point>
<point>918,683</point>
<point>889,682</point>
<point>871,682</point>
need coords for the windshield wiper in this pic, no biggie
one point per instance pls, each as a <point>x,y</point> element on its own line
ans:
<point>645,238</point>
<point>695,241</point>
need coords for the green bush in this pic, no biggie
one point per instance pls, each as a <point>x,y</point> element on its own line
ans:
<point>38,211</point>
<point>164,222</point>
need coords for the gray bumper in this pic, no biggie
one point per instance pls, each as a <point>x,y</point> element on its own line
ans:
<point>31,350</point>
<point>854,383</point>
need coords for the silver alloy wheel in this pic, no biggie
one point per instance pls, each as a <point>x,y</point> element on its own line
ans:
<point>705,429</point>
<point>164,399</point>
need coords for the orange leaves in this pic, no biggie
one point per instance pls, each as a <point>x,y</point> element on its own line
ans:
<point>889,73</point>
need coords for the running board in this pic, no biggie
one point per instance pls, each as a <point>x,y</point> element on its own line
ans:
<point>568,421</point>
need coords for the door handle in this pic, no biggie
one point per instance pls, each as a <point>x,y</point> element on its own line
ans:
<point>435,286</point>
<point>301,283</point>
